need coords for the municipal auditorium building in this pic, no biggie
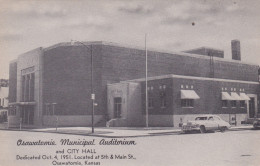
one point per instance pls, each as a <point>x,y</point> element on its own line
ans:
<point>53,85</point>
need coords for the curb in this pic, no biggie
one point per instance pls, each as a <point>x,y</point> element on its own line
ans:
<point>161,133</point>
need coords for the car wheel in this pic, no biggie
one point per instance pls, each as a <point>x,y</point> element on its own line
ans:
<point>223,129</point>
<point>202,129</point>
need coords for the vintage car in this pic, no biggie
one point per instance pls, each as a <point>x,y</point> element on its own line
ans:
<point>256,123</point>
<point>206,123</point>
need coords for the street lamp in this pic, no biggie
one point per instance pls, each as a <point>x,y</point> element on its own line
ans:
<point>92,91</point>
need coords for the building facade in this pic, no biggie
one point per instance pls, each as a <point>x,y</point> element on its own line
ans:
<point>53,85</point>
<point>175,99</point>
<point>3,101</point>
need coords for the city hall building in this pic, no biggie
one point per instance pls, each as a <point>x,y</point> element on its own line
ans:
<point>49,86</point>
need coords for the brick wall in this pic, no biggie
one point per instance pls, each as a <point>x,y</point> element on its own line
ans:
<point>67,79</point>
<point>12,82</point>
<point>155,94</point>
<point>208,91</point>
<point>210,96</point>
<point>67,72</point>
<point>121,63</point>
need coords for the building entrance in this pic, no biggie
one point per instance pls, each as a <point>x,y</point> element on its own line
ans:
<point>27,114</point>
<point>252,107</point>
<point>117,107</point>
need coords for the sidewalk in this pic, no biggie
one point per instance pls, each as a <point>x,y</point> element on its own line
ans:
<point>114,132</point>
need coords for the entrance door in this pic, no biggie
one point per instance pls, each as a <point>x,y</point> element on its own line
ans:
<point>117,107</point>
<point>252,107</point>
<point>27,114</point>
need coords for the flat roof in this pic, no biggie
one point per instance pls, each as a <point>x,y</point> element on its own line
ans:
<point>206,48</point>
<point>88,43</point>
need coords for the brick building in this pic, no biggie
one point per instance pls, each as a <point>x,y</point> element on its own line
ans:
<point>54,82</point>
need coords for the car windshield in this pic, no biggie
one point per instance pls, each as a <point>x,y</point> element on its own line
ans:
<point>201,118</point>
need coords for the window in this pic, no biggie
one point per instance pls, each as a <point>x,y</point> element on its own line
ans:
<point>27,89</point>
<point>224,103</point>
<point>242,104</point>
<point>150,102</point>
<point>117,107</point>
<point>47,109</point>
<point>187,103</point>
<point>211,118</point>
<point>163,99</point>
<point>233,103</point>
<point>216,118</point>
<point>201,118</point>
<point>12,111</point>
<point>181,86</point>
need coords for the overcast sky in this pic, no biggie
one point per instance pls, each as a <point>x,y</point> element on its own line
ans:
<point>27,24</point>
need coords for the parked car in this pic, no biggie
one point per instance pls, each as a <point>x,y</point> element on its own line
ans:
<point>206,123</point>
<point>256,123</point>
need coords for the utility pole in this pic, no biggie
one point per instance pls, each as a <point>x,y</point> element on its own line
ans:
<point>146,94</point>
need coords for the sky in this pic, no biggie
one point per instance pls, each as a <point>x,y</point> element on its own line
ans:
<point>170,25</point>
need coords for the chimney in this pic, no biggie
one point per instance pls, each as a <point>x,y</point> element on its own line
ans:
<point>235,47</point>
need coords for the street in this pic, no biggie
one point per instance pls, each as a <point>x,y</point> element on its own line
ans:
<point>238,148</point>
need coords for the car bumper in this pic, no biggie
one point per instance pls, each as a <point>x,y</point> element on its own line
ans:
<point>190,128</point>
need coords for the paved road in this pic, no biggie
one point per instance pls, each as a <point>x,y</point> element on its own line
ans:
<point>240,148</point>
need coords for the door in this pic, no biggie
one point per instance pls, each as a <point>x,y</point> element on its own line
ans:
<point>252,107</point>
<point>211,124</point>
<point>27,114</point>
<point>117,107</point>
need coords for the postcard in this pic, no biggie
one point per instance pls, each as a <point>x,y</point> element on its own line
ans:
<point>132,83</point>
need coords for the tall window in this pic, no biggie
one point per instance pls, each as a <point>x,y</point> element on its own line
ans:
<point>187,103</point>
<point>117,107</point>
<point>47,109</point>
<point>163,99</point>
<point>150,102</point>
<point>27,89</point>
